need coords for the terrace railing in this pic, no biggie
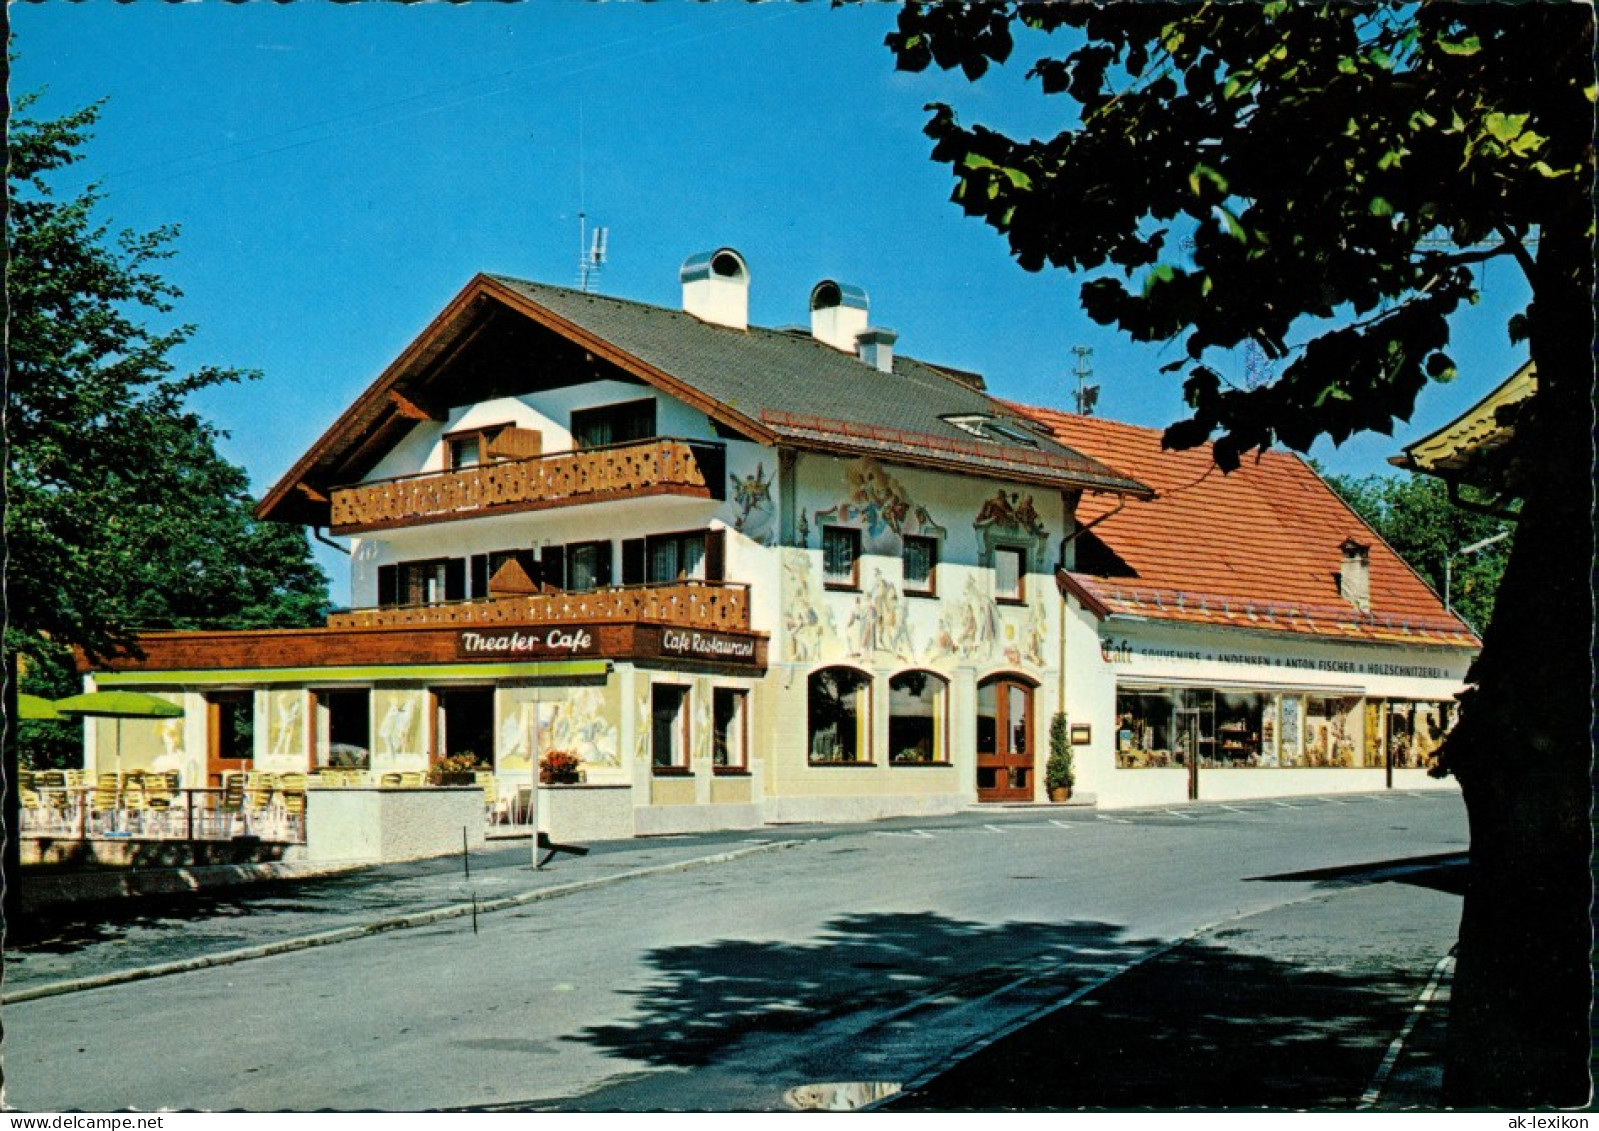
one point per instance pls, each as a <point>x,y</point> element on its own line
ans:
<point>649,467</point>
<point>720,605</point>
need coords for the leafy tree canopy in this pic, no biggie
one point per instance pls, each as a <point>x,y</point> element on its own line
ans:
<point>121,514</point>
<point>1316,179</point>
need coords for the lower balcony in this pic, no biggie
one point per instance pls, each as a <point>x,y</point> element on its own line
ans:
<point>692,469</point>
<point>722,606</point>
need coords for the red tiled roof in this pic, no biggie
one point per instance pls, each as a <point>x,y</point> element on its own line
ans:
<point>1258,548</point>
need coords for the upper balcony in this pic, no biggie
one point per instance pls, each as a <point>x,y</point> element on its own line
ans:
<point>659,466</point>
<point>714,605</point>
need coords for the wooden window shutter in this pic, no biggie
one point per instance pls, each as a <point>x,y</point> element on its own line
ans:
<point>388,585</point>
<point>455,579</point>
<point>716,555</point>
<point>553,567</point>
<point>632,561</point>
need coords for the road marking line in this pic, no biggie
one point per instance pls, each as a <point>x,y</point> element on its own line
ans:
<point>1385,1069</point>
<point>1113,820</point>
<point>1061,824</point>
<point>1178,813</point>
<point>994,829</point>
<point>1285,805</point>
<point>1234,809</point>
<point>1331,801</point>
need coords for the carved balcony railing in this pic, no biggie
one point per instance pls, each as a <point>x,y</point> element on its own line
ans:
<point>650,467</point>
<point>680,604</point>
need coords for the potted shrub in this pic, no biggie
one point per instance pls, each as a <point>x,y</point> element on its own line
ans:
<point>1060,774</point>
<point>560,767</point>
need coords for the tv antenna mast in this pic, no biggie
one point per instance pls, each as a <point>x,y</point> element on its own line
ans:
<point>591,253</point>
<point>1086,396</point>
<point>590,250</point>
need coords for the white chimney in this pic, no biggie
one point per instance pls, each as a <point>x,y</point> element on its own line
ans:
<point>1354,576</point>
<point>716,288</point>
<point>876,348</point>
<point>838,314</point>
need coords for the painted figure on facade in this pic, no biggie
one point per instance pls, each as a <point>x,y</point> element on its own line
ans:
<point>752,496</point>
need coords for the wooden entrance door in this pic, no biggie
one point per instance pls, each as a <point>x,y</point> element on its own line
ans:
<point>1005,740</point>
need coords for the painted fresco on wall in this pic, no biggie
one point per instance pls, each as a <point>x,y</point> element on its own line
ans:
<point>582,724</point>
<point>641,721</point>
<point>286,727</point>
<point>577,720</point>
<point>700,725</point>
<point>968,625</point>
<point>145,744</point>
<point>1025,640</point>
<point>808,629</point>
<point>398,741</point>
<point>878,621</point>
<point>877,503</point>
<point>1010,518</point>
<point>754,516</point>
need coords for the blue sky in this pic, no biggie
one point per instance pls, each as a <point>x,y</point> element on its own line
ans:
<point>340,172</point>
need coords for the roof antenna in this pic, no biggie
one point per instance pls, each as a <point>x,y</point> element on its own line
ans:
<point>1086,396</point>
<point>590,253</point>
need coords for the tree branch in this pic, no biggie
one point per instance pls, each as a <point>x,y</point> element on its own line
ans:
<point>1519,250</point>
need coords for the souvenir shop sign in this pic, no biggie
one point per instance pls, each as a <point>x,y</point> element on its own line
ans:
<point>1128,651</point>
<point>513,643</point>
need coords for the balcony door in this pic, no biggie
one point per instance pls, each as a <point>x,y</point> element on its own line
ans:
<point>1005,740</point>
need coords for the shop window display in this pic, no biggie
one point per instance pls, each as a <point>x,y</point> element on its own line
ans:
<point>1226,729</point>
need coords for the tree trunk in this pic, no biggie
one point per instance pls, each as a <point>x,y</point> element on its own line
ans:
<point>1519,1018</point>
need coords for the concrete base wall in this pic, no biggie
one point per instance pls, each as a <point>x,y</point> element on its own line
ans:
<point>666,819</point>
<point>376,825</point>
<point>793,810</point>
<point>571,814</point>
<point>63,852</point>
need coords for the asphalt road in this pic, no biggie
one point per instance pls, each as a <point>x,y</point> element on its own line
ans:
<point>898,953</point>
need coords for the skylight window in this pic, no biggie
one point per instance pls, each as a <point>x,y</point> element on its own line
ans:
<point>986,427</point>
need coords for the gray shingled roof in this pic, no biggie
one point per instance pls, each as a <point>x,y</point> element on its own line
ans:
<point>818,396</point>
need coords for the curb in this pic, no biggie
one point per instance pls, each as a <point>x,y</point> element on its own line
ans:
<point>380,926</point>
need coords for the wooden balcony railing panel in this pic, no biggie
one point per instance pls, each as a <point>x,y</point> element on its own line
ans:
<point>650,467</point>
<point>684,604</point>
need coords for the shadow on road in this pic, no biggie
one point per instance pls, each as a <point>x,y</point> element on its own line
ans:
<point>707,996</point>
<point>1207,1025</point>
<point>1201,1027</point>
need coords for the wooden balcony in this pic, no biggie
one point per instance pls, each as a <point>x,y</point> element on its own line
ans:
<point>721,606</point>
<point>667,466</point>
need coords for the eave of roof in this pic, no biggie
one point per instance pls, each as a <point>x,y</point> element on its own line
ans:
<point>1453,449</point>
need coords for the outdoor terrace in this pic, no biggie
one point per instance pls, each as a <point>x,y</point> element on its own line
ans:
<point>661,466</point>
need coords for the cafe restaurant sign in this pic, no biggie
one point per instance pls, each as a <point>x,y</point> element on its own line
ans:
<point>708,646</point>
<point>499,643</point>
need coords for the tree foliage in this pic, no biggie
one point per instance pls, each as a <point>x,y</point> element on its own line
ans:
<point>121,515</point>
<point>1318,181</point>
<point>1414,515</point>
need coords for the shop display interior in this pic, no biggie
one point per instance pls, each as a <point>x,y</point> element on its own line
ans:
<point>1227,729</point>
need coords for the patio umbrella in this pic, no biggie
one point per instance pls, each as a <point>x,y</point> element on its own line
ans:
<point>37,707</point>
<point>117,705</point>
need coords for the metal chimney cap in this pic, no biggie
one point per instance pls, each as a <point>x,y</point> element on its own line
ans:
<point>828,294</point>
<point>724,262</point>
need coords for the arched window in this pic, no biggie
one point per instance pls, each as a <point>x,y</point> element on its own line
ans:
<point>839,716</point>
<point>916,718</point>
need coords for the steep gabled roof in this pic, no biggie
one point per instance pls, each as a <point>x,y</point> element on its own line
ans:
<point>775,386</point>
<point>1257,549</point>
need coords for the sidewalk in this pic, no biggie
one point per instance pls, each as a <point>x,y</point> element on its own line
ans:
<point>81,946</point>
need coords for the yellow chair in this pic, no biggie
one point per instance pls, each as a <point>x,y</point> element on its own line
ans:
<point>491,794</point>
<point>105,803</point>
<point>411,779</point>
